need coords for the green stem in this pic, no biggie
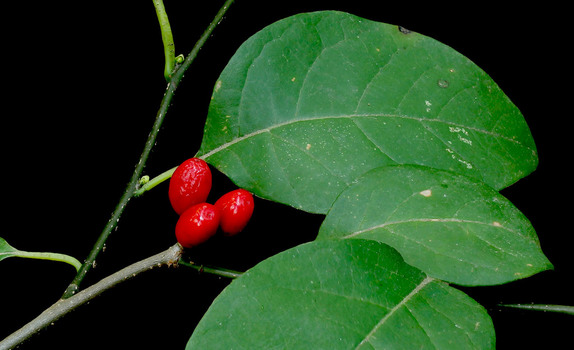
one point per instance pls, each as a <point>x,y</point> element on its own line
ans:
<point>167,38</point>
<point>149,184</point>
<point>50,256</point>
<point>211,270</point>
<point>546,308</point>
<point>179,73</point>
<point>154,182</point>
<point>135,179</point>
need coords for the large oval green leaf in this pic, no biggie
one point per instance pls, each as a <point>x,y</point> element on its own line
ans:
<point>313,101</point>
<point>447,225</point>
<point>341,294</point>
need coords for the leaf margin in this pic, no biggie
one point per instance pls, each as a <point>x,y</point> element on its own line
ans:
<point>216,327</point>
<point>351,202</point>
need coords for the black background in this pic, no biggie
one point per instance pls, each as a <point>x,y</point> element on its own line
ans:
<point>82,83</point>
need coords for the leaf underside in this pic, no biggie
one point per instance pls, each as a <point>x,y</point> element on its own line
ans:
<point>341,294</point>
<point>448,225</point>
<point>311,102</point>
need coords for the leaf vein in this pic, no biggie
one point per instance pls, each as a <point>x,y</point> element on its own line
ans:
<point>370,115</point>
<point>401,304</point>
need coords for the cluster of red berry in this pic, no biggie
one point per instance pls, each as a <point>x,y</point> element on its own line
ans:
<point>198,221</point>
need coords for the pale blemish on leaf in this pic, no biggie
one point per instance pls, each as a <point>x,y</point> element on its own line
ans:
<point>461,131</point>
<point>457,129</point>
<point>468,165</point>
<point>453,155</point>
<point>443,83</point>
<point>465,140</point>
<point>426,193</point>
<point>217,86</point>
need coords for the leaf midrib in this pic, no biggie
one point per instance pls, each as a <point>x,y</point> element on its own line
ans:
<point>434,220</point>
<point>402,303</point>
<point>350,116</point>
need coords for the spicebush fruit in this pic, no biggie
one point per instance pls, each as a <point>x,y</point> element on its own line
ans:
<point>197,224</point>
<point>235,208</point>
<point>189,185</point>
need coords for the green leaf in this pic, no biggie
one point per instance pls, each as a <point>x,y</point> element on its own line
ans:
<point>313,101</point>
<point>341,294</point>
<point>7,251</point>
<point>447,225</point>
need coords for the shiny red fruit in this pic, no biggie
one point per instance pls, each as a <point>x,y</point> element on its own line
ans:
<point>197,224</point>
<point>189,185</point>
<point>236,208</point>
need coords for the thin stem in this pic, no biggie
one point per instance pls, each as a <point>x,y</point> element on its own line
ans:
<point>211,270</point>
<point>569,310</point>
<point>7,251</point>
<point>63,306</point>
<point>50,256</point>
<point>149,184</point>
<point>154,182</point>
<point>167,39</point>
<point>193,53</point>
<point>177,76</point>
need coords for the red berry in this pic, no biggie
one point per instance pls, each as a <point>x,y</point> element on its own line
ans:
<point>197,224</point>
<point>189,185</point>
<point>236,208</point>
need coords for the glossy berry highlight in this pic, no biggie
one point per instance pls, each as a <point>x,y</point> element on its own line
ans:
<point>189,185</point>
<point>235,208</point>
<point>197,224</point>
